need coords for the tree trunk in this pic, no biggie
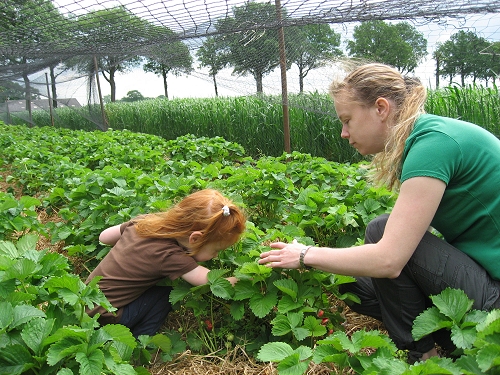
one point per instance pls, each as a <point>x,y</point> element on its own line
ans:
<point>258,79</point>
<point>53,86</point>
<point>301,80</point>
<point>27,88</point>
<point>438,72</point>
<point>165,86</point>
<point>112,83</point>
<point>215,86</point>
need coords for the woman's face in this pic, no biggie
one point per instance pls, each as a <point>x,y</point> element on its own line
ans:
<point>365,127</point>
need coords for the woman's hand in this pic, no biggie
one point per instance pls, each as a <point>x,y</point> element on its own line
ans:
<point>287,255</point>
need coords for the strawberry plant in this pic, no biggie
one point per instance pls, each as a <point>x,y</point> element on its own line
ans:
<point>475,333</point>
<point>18,215</point>
<point>94,180</point>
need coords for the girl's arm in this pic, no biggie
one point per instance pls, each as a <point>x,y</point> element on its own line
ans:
<point>198,276</point>
<point>417,202</point>
<point>111,235</point>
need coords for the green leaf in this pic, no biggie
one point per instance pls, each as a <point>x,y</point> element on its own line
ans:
<point>257,271</point>
<point>287,286</point>
<point>340,341</point>
<point>15,359</point>
<point>436,366</point>
<point>179,293</point>
<point>301,333</point>
<point>35,332</point>
<point>26,243</point>
<point>274,352</point>
<point>488,358</point>
<point>431,320</point>
<point>463,338</point>
<point>261,305</point>
<point>314,326</point>
<point>469,364</point>
<point>244,289</point>
<point>123,340</point>
<point>371,339</point>
<point>65,371</point>
<point>9,249</point>
<point>7,287</point>
<point>281,325</point>
<point>328,353</point>
<point>295,318</point>
<point>237,310</point>
<point>90,364</point>
<point>292,365</point>
<point>22,269</point>
<point>163,342</point>
<point>215,274</point>
<point>6,314</point>
<point>222,288</point>
<point>491,324</point>
<point>286,304</point>
<point>453,303</point>
<point>67,347</point>
<point>24,313</point>
<point>29,202</point>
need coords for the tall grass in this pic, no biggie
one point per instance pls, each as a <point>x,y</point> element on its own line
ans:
<point>476,104</point>
<point>256,122</point>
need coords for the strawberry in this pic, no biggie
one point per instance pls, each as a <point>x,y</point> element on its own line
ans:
<point>208,322</point>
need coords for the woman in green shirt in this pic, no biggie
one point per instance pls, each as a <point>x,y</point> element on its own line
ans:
<point>447,175</point>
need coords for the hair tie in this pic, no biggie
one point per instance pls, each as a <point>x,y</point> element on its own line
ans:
<point>225,211</point>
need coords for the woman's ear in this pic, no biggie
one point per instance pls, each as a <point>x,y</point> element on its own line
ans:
<point>383,107</point>
<point>195,236</point>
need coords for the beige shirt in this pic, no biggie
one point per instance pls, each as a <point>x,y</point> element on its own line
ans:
<point>135,264</point>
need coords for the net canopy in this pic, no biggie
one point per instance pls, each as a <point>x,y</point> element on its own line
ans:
<point>76,38</point>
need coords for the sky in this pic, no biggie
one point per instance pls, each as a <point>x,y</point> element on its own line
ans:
<point>200,85</point>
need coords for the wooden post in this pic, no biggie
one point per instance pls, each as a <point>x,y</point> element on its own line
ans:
<point>50,100</point>
<point>104,120</point>
<point>284,89</point>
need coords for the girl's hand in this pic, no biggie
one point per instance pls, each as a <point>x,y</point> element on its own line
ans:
<point>287,255</point>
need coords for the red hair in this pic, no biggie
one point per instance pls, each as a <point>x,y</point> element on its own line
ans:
<point>200,211</point>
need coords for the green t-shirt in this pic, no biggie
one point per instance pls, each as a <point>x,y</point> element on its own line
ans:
<point>467,158</point>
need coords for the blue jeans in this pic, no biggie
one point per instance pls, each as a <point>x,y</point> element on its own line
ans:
<point>434,266</point>
<point>146,314</point>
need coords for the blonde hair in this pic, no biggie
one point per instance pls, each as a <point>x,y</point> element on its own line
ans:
<point>200,211</point>
<point>365,84</point>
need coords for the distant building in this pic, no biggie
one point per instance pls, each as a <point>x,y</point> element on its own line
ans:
<point>10,106</point>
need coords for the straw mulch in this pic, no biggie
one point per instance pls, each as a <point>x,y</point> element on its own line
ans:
<point>238,362</point>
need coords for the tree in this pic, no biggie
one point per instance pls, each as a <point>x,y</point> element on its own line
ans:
<point>14,91</point>
<point>133,96</point>
<point>491,62</point>
<point>108,29</point>
<point>310,47</point>
<point>19,18</point>
<point>251,48</point>
<point>170,56</point>
<point>462,55</point>
<point>399,45</point>
<point>213,56</point>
